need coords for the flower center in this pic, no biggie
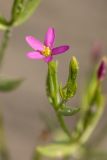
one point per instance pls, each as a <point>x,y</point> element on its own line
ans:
<point>46,52</point>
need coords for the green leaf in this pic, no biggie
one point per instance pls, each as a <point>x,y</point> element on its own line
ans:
<point>3,23</point>
<point>22,10</point>
<point>66,111</point>
<point>58,150</point>
<point>17,8</point>
<point>71,86</point>
<point>7,84</point>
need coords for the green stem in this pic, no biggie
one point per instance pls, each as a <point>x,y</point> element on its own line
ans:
<point>3,148</point>
<point>53,93</point>
<point>92,124</point>
<point>4,44</point>
<point>63,125</point>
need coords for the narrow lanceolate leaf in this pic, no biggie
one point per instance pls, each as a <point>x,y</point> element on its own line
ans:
<point>58,150</point>
<point>22,10</point>
<point>17,8</point>
<point>3,23</point>
<point>66,111</point>
<point>7,84</point>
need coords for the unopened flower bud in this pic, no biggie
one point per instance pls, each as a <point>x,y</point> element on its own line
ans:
<point>102,69</point>
<point>70,88</point>
<point>73,68</point>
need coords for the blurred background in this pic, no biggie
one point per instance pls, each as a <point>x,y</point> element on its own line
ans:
<point>77,23</point>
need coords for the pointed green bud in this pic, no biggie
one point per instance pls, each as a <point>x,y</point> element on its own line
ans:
<point>71,86</point>
<point>73,68</point>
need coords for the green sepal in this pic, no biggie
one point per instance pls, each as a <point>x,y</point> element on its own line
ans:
<point>67,111</point>
<point>70,88</point>
<point>22,10</point>
<point>9,84</point>
<point>52,83</point>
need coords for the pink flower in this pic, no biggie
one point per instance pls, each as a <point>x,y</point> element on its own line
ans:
<point>45,50</point>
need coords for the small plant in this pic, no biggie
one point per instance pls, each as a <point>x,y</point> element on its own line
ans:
<point>66,144</point>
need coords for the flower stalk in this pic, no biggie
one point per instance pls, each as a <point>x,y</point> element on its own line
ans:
<point>53,94</point>
<point>63,125</point>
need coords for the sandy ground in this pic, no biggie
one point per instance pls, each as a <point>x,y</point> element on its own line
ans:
<point>78,23</point>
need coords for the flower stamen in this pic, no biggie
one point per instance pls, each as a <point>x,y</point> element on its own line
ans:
<point>46,52</point>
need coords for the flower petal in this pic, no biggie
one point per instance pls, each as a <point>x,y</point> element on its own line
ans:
<point>48,59</point>
<point>34,43</point>
<point>59,50</point>
<point>49,37</point>
<point>34,55</point>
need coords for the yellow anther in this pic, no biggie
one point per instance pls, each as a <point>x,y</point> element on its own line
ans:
<point>47,51</point>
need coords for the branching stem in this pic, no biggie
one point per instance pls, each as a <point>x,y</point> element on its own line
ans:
<point>4,44</point>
